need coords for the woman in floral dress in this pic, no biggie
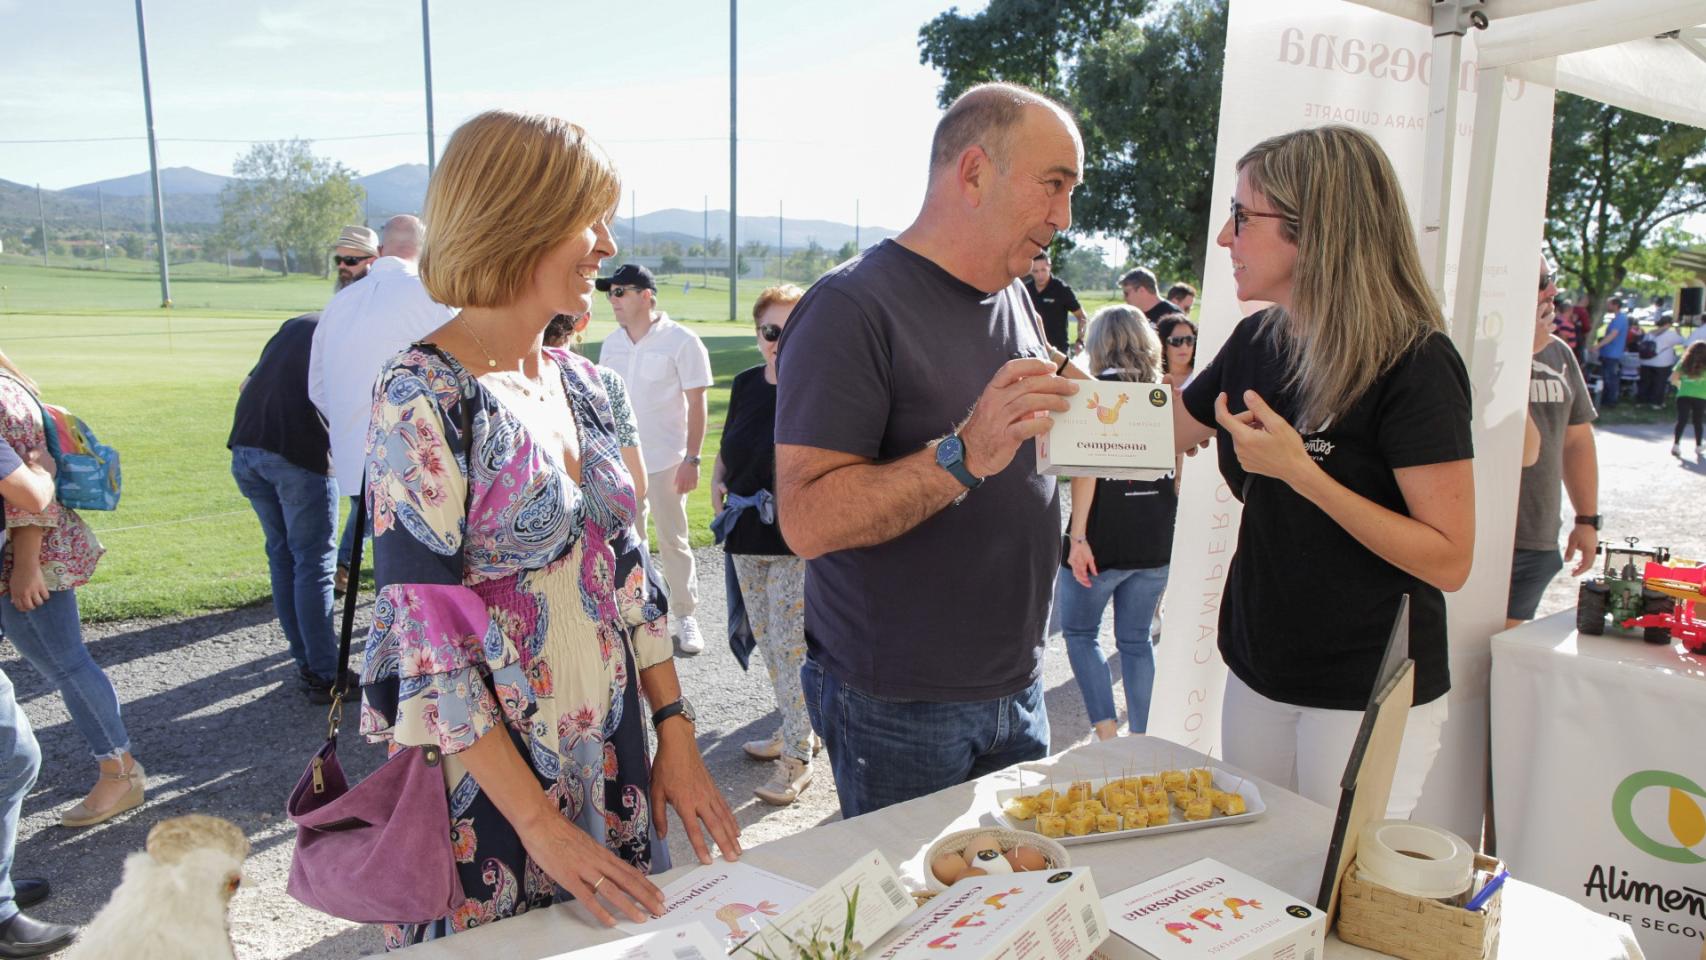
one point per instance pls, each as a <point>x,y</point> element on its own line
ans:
<point>517,620</point>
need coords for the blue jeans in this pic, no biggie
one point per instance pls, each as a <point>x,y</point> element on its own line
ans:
<point>1611,380</point>
<point>20,760</point>
<point>1135,594</point>
<point>51,639</point>
<point>885,752</point>
<point>298,509</point>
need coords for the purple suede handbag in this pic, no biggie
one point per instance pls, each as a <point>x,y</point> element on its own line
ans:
<point>378,852</point>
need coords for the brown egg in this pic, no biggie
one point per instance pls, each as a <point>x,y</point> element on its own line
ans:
<point>948,867</point>
<point>1027,858</point>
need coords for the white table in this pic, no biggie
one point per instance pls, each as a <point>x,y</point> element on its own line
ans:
<point>1286,848</point>
<point>1573,719</point>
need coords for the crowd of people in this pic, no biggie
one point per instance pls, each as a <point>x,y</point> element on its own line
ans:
<point>893,559</point>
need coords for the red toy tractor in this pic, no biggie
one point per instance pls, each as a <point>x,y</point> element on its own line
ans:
<point>1685,586</point>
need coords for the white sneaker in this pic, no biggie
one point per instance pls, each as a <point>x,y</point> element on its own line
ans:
<point>1676,449</point>
<point>688,642</point>
<point>772,748</point>
<point>789,779</point>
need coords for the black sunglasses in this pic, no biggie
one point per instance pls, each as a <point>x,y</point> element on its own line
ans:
<point>351,261</point>
<point>1242,215</point>
<point>1181,341</point>
<point>770,332</point>
<point>1546,278</point>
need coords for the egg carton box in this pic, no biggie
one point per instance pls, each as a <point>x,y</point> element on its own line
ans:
<point>1207,909</point>
<point>1041,915</point>
<point>1113,429</point>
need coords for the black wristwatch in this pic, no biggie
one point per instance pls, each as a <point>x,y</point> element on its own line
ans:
<point>951,456</point>
<point>682,707</point>
<point>1592,521</point>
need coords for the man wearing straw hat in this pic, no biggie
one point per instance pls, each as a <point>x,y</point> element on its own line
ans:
<point>353,254</point>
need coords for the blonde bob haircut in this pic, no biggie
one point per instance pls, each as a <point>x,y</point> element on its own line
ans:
<point>1120,339</point>
<point>1360,298</point>
<point>509,188</point>
<point>782,293</point>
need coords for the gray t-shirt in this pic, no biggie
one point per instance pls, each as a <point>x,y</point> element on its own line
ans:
<point>1557,399</point>
<point>884,354</point>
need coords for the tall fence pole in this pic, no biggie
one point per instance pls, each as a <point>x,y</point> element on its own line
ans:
<point>857,246</point>
<point>153,162</point>
<point>426,58</point>
<point>101,205</point>
<point>41,213</point>
<point>734,235</point>
<point>778,229</point>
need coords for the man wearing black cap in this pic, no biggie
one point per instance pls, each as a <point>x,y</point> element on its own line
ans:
<point>667,371</point>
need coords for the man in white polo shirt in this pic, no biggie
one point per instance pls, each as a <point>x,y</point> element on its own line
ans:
<point>667,371</point>
<point>365,325</point>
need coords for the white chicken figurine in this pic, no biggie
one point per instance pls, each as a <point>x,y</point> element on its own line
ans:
<point>172,902</point>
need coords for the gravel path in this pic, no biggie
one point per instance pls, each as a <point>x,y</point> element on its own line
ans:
<point>217,721</point>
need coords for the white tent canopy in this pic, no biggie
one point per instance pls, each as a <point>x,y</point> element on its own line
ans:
<point>1643,55</point>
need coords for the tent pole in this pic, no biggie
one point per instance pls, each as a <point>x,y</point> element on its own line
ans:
<point>1477,207</point>
<point>1451,21</point>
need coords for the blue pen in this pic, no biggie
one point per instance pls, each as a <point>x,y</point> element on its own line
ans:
<point>1480,899</point>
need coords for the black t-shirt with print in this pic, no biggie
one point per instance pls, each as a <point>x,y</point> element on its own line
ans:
<point>748,450</point>
<point>1055,303</point>
<point>1307,609</point>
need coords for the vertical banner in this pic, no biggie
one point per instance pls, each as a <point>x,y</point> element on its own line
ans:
<point>1307,63</point>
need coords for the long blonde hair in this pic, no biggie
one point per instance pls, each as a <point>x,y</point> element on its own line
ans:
<point>23,378</point>
<point>1360,298</point>
<point>1121,339</point>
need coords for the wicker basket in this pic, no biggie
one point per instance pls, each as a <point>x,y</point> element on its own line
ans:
<point>957,841</point>
<point>1414,928</point>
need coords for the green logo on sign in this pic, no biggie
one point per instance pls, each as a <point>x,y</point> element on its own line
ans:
<point>1686,820</point>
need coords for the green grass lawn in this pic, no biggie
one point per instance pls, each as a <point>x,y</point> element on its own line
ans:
<point>160,386</point>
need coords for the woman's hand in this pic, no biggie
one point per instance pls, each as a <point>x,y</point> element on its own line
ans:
<point>679,779</point>
<point>589,871</point>
<point>1082,561</point>
<point>1264,442</point>
<point>719,495</point>
<point>29,591</point>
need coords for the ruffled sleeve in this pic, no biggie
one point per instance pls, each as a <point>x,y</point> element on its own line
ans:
<point>427,676</point>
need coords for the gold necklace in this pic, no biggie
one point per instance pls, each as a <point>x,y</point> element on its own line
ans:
<point>477,341</point>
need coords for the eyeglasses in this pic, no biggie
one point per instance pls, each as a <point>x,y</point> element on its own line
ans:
<point>617,293</point>
<point>1182,341</point>
<point>770,332</point>
<point>351,261</point>
<point>1546,279</point>
<point>1241,216</point>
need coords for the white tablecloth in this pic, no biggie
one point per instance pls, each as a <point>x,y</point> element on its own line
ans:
<point>1286,847</point>
<point>1590,735</point>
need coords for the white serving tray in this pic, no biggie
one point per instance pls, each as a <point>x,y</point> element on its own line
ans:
<point>1253,808</point>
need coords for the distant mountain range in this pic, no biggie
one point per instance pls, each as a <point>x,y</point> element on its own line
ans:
<point>192,200</point>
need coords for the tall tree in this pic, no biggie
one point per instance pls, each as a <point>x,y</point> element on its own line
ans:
<point>1617,177</point>
<point>286,198</point>
<point>1142,78</point>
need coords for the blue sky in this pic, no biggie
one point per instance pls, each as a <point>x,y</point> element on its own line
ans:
<point>834,105</point>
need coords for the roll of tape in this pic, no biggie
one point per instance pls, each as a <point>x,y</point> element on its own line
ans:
<point>1415,858</point>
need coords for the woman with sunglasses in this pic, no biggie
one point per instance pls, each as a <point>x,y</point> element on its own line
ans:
<point>1119,542</point>
<point>772,579</point>
<point>1178,349</point>
<point>1342,413</point>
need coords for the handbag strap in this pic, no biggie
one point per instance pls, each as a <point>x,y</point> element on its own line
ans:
<point>340,687</point>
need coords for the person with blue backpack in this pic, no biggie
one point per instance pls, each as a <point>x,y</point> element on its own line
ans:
<point>48,555</point>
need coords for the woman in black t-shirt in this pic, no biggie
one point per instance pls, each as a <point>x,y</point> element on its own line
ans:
<point>1119,542</point>
<point>772,579</point>
<point>1343,419</point>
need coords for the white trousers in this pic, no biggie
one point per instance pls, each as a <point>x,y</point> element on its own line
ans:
<point>668,511</point>
<point>1306,748</point>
